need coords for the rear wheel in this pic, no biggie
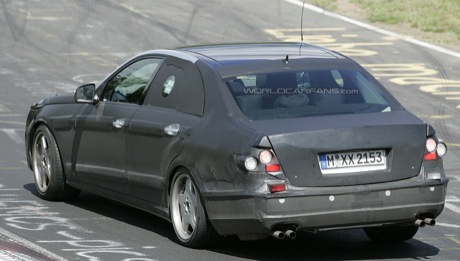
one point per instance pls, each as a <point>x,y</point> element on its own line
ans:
<point>47,167</point>
<point>187,213</point>
<point>391,234</point>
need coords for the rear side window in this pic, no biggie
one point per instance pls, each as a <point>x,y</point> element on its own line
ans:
<point>178,85</point>
<point>293,94</point>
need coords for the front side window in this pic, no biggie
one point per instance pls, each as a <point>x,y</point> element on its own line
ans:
<point>294,94</point>
<point>129,84</point>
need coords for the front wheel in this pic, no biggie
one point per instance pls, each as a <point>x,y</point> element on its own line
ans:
<point>187,213</point>
<point>47,167</point>
<point>391,234</point>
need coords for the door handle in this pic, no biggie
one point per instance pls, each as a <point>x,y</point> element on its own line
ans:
<point>172,130</point>
<point>119,123</point>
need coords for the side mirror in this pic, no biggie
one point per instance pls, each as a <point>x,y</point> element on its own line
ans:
<point>86,94</point>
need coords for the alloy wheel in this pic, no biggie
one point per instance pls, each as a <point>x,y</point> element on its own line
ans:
<point>42,163</point>
<point>183,206</point>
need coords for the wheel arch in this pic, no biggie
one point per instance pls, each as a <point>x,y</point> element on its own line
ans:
<point>30,140</point>
<point>173,172</point>
<point>31,136</point>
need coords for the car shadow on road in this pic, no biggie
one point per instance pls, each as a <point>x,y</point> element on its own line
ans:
<point>117,211</point>
<point>331,245</point>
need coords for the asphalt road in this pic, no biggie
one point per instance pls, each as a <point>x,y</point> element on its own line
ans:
<point>49,47</point>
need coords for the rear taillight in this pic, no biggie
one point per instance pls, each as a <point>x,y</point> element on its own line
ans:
<point>250,163</point>
<point>441,149</point>
<point>433,149</point>
<point>430,145</point>
<point>267,158</point>
<point>264,160</point>
<point>430,156</point>
<point>272,168</point>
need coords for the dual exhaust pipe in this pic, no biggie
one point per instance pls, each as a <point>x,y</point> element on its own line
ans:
<point>426,221</point>
<point>282,234</point>
<point>292,234</point>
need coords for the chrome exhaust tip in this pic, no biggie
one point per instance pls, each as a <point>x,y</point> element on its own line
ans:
<point>291,234</point>
<point>278,234</point>
<point>420,223</point>
<point>429,221</point>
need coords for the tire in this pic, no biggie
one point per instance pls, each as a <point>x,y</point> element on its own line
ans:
<point>391,234</point>
<point>47,168</point>
<point>187,213</point>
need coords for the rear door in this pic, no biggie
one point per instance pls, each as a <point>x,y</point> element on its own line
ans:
<point>99,148</point>
<point>159,129</point>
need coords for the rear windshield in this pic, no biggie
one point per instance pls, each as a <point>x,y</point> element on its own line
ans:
<point>306,93</point>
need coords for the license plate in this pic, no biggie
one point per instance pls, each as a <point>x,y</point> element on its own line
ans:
<point>353,161</point>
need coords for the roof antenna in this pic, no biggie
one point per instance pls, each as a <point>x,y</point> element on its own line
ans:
<point>301,22</point>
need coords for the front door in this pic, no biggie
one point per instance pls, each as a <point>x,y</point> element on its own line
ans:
<point>99,151</point>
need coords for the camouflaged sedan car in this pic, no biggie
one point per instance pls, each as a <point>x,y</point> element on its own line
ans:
<point>253,140</point>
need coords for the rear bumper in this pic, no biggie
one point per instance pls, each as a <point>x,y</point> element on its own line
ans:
<point>328,208</point>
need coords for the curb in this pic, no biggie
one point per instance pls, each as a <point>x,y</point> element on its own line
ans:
<point>15,248</point>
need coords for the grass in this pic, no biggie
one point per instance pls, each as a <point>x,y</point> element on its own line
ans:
<point>431,16</point>
<point>326,4</point>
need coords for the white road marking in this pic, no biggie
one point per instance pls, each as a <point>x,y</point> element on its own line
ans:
<point>13,135</point>
<point>3,108</point>
<point>134,10</point>
<point>375,29</point>
<point>12,122</point>
<point>447,225</point>
<point>452,207</point>
<point>452,199</point>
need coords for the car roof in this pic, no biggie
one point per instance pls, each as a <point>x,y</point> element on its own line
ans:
<point>236,58</point>
<point>229,53</point>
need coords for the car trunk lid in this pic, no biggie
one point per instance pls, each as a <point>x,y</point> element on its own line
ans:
<point>303,147</point>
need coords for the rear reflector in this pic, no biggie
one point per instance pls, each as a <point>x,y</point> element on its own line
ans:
<point>272,168</point>
<point>430,156</point>
<point>277,187</point>
<point>434,176</point>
